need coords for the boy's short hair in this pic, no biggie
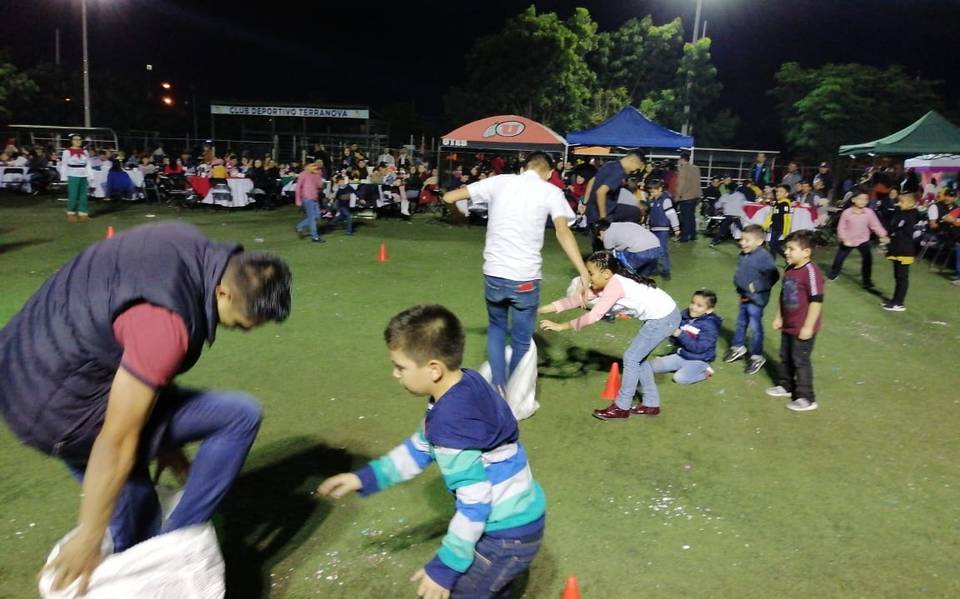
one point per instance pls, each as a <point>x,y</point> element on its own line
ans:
<point>539,160</point>
<point>655,183</point>
<point>803,238</point>
<point>707,294</point>
<point>785,187</point>
<point>427,332</point>
<point>909,196</point>
<point>756,230</point>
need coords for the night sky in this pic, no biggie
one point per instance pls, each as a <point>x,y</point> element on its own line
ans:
<point>373,54</point>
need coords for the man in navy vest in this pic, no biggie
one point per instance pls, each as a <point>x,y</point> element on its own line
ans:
<point>86,368</point>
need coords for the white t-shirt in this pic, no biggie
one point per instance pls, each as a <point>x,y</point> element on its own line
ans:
<point>517,210</point>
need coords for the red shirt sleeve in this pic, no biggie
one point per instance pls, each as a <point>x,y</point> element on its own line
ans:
<point>154,341</point>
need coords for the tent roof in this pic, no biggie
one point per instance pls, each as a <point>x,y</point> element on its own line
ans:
<point>504,132</point>
<point>930,134</point>
<point>630,129</point>
<point>934,162</point>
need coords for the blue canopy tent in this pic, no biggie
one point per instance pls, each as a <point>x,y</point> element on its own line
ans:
<point>630,129</point>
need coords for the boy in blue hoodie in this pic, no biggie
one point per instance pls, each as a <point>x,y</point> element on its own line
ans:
<point>755,277</point>
<point>696,340</point>
<point>662,219</point>
<point>472,435</point>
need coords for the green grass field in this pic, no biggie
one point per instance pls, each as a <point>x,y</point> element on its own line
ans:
<point>725,494</point>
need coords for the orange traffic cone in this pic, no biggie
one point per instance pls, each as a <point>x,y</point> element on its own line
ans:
<point>383,257</point>
<point>109,232</point>
<point>571,590</point>
<point>613,383</point>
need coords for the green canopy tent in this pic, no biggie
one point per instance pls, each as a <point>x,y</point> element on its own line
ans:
<point>931,134</point>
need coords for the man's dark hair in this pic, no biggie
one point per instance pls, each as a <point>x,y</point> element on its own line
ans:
<point>754,230</point>
<point>803,238</point>
<point>602,225</point>
<point>263,282</point>
<point>685,156</point>
<point>539,160</point>
<point>427,332</point>
<point>707,294</point>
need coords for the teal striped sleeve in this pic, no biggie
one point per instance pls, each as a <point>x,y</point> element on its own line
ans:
<point>402,463</point>
<point>464,474</point>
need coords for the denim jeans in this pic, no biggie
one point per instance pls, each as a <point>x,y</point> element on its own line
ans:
<point>496,562</point>
<point>664,237</point>
<point>636,367</point>
<point>511,306</point>
<point>312,208</point>
<point>643,263</point>
<point>225,421</point>
<point>750,316</point>
<point>343,213</point>
<point>685,372</point>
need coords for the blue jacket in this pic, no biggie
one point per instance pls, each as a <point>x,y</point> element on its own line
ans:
<point>659,207</point>
<point>698,337</point>
<point>758,268</point>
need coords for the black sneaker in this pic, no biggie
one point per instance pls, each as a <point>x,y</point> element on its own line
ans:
<point>754,364</point>
<point>832,277</point>
<point>734,353</point>
<point>892,307</point>
<point>318,240</point>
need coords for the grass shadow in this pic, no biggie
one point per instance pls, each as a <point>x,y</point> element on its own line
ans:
<point>271,510</point>
<point>19,245</point>
<point>574,362</point>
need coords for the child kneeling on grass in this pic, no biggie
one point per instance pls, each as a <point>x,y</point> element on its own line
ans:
<point>639,297</point>
<point>696,340</point>
<point>472,435</point>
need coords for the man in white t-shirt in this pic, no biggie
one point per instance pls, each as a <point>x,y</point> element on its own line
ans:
<point>517,210</point>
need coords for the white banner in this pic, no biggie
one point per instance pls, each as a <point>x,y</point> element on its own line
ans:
<point>294,111</point>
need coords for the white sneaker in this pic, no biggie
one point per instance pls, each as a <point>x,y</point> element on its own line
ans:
<point>709,372</point>
<point>802,405</point>
<point>778,391</point>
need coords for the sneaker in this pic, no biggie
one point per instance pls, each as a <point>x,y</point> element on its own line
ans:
<point>709,372</point>
<point>644,410</point>
<point>612,413</point>
<point>755,364</point>
<point>318,240</point>
<point>735,353</point>
<point>778,391</point>
<point>802,405</point>
<point>955,282</point>
<point>665,276</point>
<point>301,233</point>
<point>892,307</point>
<point>832,277</point>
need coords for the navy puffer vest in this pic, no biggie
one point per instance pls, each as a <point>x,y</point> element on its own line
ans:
<point>58,355</point>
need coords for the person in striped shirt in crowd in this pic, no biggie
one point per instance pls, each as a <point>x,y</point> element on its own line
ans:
<point>473,437</point>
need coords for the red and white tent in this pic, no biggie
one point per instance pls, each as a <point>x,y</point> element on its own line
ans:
<point>504,132</point>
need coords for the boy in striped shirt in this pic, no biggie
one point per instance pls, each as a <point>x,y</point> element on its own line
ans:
<point>472,435</point>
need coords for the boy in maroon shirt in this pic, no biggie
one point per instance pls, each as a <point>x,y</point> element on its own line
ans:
<point>798,319</point>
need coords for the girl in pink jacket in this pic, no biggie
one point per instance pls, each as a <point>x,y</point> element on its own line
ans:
<point>856,223</point>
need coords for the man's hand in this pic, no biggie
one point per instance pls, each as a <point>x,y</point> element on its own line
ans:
<point>340,485</point>
<point>777,323</point>
<point>549,325</point>
<point>805,333</point>
<point>428,589</point>
<point>77,560</point>
<point>584,290</point>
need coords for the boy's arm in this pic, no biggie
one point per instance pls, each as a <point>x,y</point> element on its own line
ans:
<point>671,213</point>
<point>813,313</point>
<point>402,463</point>
<point>464,474</point>
<point>701,342</point>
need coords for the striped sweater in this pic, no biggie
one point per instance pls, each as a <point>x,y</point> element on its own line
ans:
<point>473,437</point>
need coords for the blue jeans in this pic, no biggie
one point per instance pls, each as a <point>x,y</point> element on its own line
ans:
<point>312,207</point>
<point>496,562</point>
<point>511,305</point>
<point>664,237</point>
<point>685,372</point>
<point>643,263</point>
<point>227,423</point>
<point>343,213</point>
<point>636,367</point>
<point>749,316</point>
